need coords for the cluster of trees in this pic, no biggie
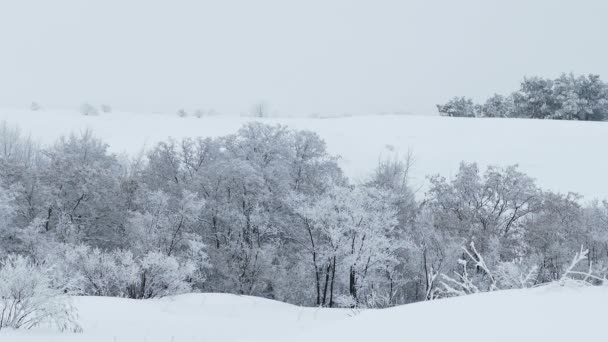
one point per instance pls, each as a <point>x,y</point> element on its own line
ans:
<point>565,98</point>
<point>268,212</point>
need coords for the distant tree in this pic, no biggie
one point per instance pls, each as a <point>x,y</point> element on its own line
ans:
<point>459,107</point>
<point>199,113</point>
<point>580,98</point>
<point>535,98</point>
<point>565,98</point>
<point>497,106</point>
<point>182,113</point>
<point>260,110</point>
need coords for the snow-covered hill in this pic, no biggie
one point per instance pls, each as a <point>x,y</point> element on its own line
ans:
<point>561,155</point>
<point>551,313</point>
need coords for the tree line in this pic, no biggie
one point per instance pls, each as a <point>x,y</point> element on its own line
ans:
<point>267,211</point>
<point>567,97</point>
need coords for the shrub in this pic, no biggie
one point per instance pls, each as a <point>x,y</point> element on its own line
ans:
<point>35,106</point>
<point>106,108</point>
<point>161,275</point>
<point>99,273</point>
<point>27,298</point>
<point>88,110</point>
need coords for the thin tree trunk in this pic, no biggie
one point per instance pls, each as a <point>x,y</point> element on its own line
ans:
<point>333,278</point>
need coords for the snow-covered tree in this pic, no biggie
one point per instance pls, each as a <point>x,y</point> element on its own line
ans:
<point>82,178</point>
<point>459,107</point>
<point>498,106</point>
<point>567,97</point>
<point>349,239</point>
<point>260,110</point>
<point>165,224</point>
<point>488,209</point>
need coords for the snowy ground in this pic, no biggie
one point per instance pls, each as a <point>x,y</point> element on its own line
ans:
<point>551,313</point>
<point>561,155</point>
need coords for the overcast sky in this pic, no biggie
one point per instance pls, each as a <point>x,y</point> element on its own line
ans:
<point>301,57</point>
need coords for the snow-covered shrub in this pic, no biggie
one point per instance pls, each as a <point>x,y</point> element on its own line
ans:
<point>106,108</point>
<point>346,301</point>
<point>99,273</point>
<point>182,113</point>
<point>118,273</point>
<point>459,107</point>
<point>28,299</point>
<point>511,275</point>
<point>198,261</point>
<point>516,274</point>
<point>88,109</point>
<point>588,277</point>
<point>35,107</point>
<point>199,113</point>
<point>161,275</point>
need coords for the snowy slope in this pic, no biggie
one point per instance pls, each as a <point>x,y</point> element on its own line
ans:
<point>561,155</point>
<point>191,317</point>
<point>551,313</point>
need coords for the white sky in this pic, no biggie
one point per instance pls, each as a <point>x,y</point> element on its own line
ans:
<point>301,57</point>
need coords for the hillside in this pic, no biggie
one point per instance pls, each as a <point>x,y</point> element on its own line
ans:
<point>551,313</point>
<point>562,155</point>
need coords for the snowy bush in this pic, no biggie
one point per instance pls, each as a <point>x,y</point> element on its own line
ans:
<point>159,276</point>
<point>511,275</point>
<point>459,107</point>
<point>516,274</point>
<point>118,273</point>
<point>346,301</point>
<point>106,108</point>
<point>34,106</point>
<point>99,273</point>
<point>88,109</point>
<point>182,113</point>
<point>27,298</point>
<point>572,274</point>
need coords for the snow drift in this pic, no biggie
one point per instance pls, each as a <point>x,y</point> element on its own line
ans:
<point>550,313</point>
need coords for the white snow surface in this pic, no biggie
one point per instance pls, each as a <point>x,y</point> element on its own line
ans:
<point>550,313</point>
<point>562,155</point>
